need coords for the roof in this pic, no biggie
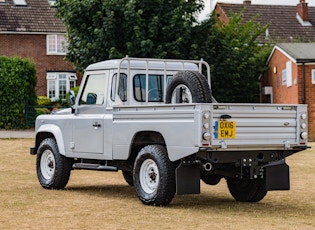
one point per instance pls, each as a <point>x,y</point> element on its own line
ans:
<point>35,17</point>
<point>153,64</point>
<point>284,25</point>
<point>300,52</point>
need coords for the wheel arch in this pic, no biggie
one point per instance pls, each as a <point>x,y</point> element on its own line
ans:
<point>50,131</point>
<point>143,138</point>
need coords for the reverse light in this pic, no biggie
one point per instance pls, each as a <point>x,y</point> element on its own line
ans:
<point>206,136</point>
<point>303,135</point>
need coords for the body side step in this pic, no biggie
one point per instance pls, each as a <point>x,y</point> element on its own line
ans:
<point>97,167</point>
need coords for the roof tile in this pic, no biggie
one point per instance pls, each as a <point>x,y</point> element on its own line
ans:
<point>36,17</point>
<point>284,25</point>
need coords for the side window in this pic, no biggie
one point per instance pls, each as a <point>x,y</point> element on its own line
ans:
<point>122,87</point>
<point>113,87</point>
<point>94,88</point>
<point>155,88</point>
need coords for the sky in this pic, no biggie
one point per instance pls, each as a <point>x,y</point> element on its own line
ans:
<point>209,4</point>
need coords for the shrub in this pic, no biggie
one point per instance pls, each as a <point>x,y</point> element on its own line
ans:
<point>43,101</point>
<point>17,84</point>
<point>40,111</point>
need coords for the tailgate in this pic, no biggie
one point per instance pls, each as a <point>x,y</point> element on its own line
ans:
<point>258,126</point>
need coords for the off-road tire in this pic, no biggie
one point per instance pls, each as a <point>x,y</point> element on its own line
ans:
<point>154,176</point>
<point>53,169</point>
<point>247,190</point>
<point>192,81</point>
<point>128,176</point>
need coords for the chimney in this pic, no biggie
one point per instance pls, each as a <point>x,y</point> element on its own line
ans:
<point>247,2</point>
<point>302,10</point>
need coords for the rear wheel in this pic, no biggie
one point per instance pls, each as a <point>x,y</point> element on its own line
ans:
<point>53,169</point>
<point>154,176</point>
<point>247,190</point>
<point>188,87</point>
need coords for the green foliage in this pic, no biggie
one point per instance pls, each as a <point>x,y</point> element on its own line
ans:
<point>76,90</point>
<point>43,101</point>
<point>40,111</point>
<point>105,29</point>
<point>17,84</point>
<point>235,55</point>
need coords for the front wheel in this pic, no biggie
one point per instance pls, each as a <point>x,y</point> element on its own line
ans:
<point>53,169</point>
<point>128,176</point>
<point>154,176</point>
<point>246,190</point>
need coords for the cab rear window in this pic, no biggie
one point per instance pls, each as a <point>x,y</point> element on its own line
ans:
<point>155,87</point>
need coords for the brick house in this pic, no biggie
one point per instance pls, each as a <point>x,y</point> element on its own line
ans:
<point>287,23</point>
<point>30,29</point>
<point>290,78</point>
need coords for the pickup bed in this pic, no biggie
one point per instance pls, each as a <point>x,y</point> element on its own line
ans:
<point>169,135</point>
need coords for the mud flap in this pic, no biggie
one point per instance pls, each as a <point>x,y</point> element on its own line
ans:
<point>277,177</point>
<point>187,180</point>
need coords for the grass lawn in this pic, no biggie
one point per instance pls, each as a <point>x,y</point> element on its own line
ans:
<point>103,200</point>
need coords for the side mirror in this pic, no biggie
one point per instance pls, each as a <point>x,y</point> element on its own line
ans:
<point>91,98</point>
<point>71,97</point>
<point>72,100</point>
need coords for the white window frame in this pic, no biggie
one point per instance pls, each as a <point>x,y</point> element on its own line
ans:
<point>313,76</point>
<point>289,73</point>
<point>52,2</point>
<point>54,78</point>
<point>20,2</point>
<point>284,77</point>
<point>56,44</point>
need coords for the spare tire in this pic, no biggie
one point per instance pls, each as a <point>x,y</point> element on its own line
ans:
<point>188,87</point>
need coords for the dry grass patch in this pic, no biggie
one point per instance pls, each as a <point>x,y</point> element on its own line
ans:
<point>102,200</point>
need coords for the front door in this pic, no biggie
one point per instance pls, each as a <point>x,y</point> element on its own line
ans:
<point>88,124</point>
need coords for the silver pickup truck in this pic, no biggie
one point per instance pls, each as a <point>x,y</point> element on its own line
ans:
<point>157,122</point>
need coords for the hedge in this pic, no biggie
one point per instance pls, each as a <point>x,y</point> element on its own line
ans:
<point>17,85</point>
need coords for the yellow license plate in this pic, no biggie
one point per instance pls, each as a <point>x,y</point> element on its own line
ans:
<point>227,129</point>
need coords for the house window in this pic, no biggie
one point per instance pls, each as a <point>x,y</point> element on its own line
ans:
<point>56,44</point>
<point>52,2</point>
<point>313,76</point>
<point>20,2</point>
<point>289,73</point>
<point>284,77</point>
<point>59,84</point>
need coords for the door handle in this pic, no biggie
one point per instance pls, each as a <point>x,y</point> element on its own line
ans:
<point>96,125</point>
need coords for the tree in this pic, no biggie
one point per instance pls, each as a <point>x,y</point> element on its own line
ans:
<point>237,59</point>
<point>106,29</point>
